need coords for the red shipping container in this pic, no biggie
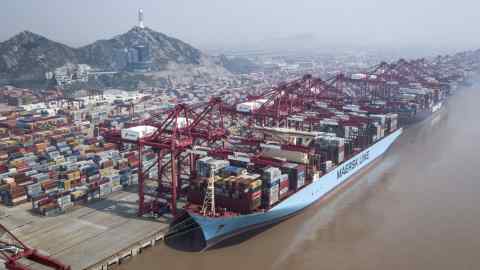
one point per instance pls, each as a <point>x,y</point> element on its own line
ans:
<point>284,184</point>
<point>49,184</point>
<point>254,195</point>
<point>3,168</point>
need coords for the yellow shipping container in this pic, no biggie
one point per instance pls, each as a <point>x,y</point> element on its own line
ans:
<point>106,172</point>
<point>219,181</point>
<point>67,184</point>
<point>11,142</point>
<point>59,161</point>
<point>77,194</point>
<point>17,162</point>
<point>41,146</point>
<point>255,184</point>
<point>75,175</point>
<point>73,144</point>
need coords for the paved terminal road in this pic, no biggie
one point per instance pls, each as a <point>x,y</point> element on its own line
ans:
<point>418,208</point>
<point>84,236</point>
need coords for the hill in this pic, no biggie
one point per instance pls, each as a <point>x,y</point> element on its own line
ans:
<point>110,54</point>
<point>28,56</point>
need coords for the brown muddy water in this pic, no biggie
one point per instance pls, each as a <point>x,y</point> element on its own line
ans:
<point>417,208</point>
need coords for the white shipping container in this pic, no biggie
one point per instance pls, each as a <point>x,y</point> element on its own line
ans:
<point>8,180</point>
<point>379,117</point>
<point>64,200</point>
<point>136,133</point>
<point>66,205</point>
<point>273,195</point>
<point>182,122</point>
<point>134,179</point>
<point>300,182</point>
<point>105,189</point>
<point>248,106</point>
<point>358,76</point>
<point>341,156</point>
<point>271,173</point>
<point>392,82</point>
<point>352,107</point>
<point>34,189</point>
<point>293,156</point>
<point>19,199</point>
<point>328,165</point>
<point>217,164</point>
<point>117,188</point>
<point>284,190</point>
<point>393,125</point>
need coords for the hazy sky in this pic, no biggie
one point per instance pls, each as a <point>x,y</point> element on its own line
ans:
<point>204,23</point>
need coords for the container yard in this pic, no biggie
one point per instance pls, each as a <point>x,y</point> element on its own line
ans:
<point>113,164</point>
<point>60,182</point>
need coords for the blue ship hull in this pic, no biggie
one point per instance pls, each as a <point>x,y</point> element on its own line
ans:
<point>215,230</point>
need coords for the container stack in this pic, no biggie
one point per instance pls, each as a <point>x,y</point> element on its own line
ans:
<point>61,168</point>
<point>241,194</point>
<point>202,166</point>
<point>233,171</point>
<point>296,175</point>
<point>392,122</point>
<point>271,186</point>
<point>330,148</point>
<point>240,191</point>
<point>206,165</point>
<point>64,201</point>
<point>284,186</point>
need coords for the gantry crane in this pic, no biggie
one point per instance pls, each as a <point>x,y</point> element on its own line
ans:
<point>16,254</point>
<point>177,130</point>
<point>181,129</point>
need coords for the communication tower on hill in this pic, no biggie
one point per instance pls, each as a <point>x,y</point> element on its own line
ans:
<point>140,19</point>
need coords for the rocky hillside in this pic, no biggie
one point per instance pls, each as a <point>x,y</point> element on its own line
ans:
<point>108,54</point>
<point>237,65</point>
<point>27,56</point>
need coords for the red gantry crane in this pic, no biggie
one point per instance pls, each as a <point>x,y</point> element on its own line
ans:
<point>15,254</point>
<point>275,105</point>
<point>177,130</point>
<point>180,130</point>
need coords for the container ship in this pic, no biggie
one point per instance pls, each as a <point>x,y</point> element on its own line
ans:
<point>225,167</point>
<point>291,164</point>
<point>419,110</point>
<point>284,170</point>
<point>276,194</point>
